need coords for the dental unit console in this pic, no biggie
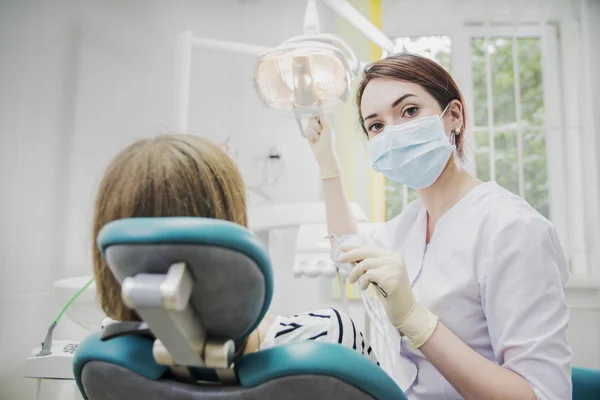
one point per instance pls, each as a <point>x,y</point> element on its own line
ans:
<point>56,365</point>
<point>54,359</point>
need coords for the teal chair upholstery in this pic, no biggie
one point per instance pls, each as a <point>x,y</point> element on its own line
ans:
<point>586,383</point>
<point>231,292</point>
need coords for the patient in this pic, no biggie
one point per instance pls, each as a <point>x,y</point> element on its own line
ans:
<point>185,175</point>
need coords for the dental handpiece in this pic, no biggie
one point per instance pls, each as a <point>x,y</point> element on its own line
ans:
<point>332,236</point>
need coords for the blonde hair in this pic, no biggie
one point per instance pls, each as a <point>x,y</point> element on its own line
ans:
<point>167,176</point>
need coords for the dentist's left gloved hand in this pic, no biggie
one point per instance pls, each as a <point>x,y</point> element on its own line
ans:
<point>388,270</point>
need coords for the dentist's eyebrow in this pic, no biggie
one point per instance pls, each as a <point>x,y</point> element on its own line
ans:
<point>401,99</point>
<point>394,104</point>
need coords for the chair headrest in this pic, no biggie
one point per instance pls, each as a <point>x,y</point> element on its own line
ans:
<point>230,268</point>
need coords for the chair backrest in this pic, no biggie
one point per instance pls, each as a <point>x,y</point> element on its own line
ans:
<point>230,271</point>
<point>202,285</point>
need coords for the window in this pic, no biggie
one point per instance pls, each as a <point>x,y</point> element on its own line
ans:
<point>525,73</point>
<point>509,127</point>
<point>510,137</point>
<point>524,120</point>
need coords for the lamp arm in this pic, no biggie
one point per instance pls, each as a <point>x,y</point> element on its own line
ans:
<point>350,14</point>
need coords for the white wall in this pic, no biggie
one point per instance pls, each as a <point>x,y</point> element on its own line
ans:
<point>81,79</point>
<point>126,91</point>
<point>593,50</point>
<point>590,31</point>
<point>36,116</point>
<point>585,320</point>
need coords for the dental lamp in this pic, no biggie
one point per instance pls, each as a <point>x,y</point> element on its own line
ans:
<point>303,77</point>
<point>307,75</point>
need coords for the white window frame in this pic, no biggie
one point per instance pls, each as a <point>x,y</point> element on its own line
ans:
<point>563,120</point>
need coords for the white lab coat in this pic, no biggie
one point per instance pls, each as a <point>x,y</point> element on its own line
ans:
<point>494,273</point>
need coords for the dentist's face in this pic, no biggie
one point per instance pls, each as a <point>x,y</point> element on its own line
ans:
<point>392,102</point>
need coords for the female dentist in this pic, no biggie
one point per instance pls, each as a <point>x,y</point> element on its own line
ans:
<point>474,276</point>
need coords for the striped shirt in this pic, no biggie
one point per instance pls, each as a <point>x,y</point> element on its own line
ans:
<point>326,325</point>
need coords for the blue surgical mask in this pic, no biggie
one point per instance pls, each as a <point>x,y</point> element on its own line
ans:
<point>414,153</point>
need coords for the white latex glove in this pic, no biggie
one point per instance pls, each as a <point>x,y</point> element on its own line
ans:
<point>322,141</point>
<point>388,270</point>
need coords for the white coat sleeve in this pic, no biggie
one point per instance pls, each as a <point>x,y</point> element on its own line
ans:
<point>524,302</point>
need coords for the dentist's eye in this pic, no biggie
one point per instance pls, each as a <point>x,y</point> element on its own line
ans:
<point>410,111</point>
<point>375,127</point>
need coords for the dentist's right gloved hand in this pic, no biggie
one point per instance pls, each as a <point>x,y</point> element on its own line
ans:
<point>321,137</point>
<point>388,270</point>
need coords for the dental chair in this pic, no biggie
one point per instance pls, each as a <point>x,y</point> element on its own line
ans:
<point>586,383</point>
<point>200,287</point>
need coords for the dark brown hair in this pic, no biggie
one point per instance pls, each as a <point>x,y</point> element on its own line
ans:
<point>167,176</point>
<point>422,71</point>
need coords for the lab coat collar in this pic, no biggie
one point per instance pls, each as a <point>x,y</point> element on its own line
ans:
<point>413,249</point>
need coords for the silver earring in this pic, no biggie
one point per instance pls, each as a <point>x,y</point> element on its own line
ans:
<point>456,132</point>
